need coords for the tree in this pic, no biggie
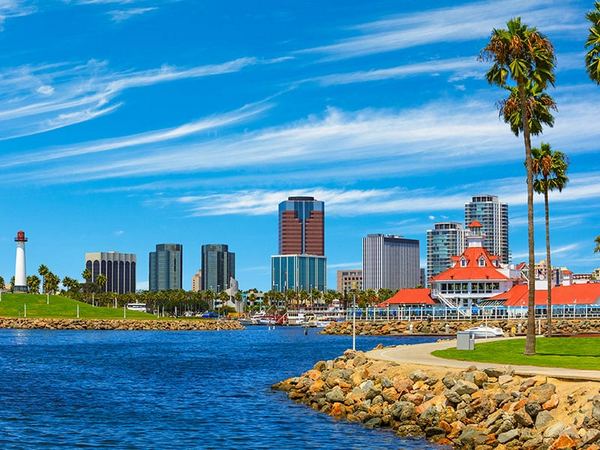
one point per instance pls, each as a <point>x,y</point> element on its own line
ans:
<point>592,57</point>
<point>71,284</point>
<point>101,282</point>
<point>597,242</point>
<point>523,63</point>
<point>2,285</point>
<point>33,284</point>
<point>550,170</point>
<point>12,283</point>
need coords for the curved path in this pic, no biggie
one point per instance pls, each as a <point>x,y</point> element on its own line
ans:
<point>420,354</point>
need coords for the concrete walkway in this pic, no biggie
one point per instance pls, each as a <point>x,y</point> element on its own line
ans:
<point>420,354</point>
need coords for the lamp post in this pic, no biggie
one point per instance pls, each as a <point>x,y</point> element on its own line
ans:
<point>354,285</point>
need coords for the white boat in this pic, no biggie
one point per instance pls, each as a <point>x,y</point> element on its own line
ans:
<point>322,323</point>
<point>483,331</point>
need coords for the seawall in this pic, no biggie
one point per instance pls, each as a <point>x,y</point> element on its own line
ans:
<point>119,324</point>
<point>510,327</point>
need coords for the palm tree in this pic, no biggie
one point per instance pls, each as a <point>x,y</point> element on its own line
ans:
<point>101,281</point>
<point>2,285</point>
<point>597,242</point>
<point>33,284</point>
<point>550,169</point>
<point>43,271</point>
<point>592,57</point>
<point>523,62</point>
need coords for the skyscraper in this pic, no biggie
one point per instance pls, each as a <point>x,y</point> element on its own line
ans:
<point>218,266</point>
<point>302,226</point>
<point>165,267</point>
<point>390,262</point>
<point>493,216</point>
<point>301,262</point>
<point>118,268</point>
<point>197,281</point>
<point>447,239</point>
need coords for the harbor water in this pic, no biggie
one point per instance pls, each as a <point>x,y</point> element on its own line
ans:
<point>126,389</point>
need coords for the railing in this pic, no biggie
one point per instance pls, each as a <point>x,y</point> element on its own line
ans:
<point>441,313</point>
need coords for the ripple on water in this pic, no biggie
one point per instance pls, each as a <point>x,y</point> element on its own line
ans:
<point>171,389</point>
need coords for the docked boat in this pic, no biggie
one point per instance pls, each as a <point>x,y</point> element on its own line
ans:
<point>483,331</point>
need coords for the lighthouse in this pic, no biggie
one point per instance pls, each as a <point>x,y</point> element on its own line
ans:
<point>20,274</point>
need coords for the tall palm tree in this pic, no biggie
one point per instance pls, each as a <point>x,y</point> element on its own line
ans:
<point>550,169</point>
<point>597,242</point>
<point>592,57</point>
<point>523,62</point>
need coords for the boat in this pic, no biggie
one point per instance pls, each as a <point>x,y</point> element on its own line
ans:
<point>260,318</point>
<point>322,323</point>
<point>483,331</point>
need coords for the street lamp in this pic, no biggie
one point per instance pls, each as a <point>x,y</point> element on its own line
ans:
<point>354,286</point>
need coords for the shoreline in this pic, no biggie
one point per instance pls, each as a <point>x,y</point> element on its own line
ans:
<point>119,324</point>
<point>483,409</point>
<point>515,327</point>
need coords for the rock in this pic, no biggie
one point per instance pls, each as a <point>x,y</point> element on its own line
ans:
<point>429,417</point>
<point>507,436</point>
<point>317,386</point>
<point>386,383</point>
<point>523,419</point>
<point>432,432</point>
<point>452,396</point>
<point>338,410</point>
<point>402,385</point>
<point>504,379</point>
<point>552,403</point>
<point>335,395</point>
<point>449,381</point>
<point>543,420</point>
<point>541,394</point>
<point>464,387</point>
<point>390,395</point>
<point>494,373</point>
<point>591,436</point>
<point>471,436</point>
<point>409,430</point>
<point>418,375</point>
<point>529,382</point>
<point>403,411</point>
<point>596,407</point>
<point>366,386</point>
<point>532,409</point>
<point>375,422</point>
<point>554,430</point>
<point>533,443</point>
<point>564,442</point>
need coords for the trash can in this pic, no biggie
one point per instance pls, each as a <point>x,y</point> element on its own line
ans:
<point>465,340</point>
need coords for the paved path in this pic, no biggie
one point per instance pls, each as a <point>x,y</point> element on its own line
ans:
<point>420,354</point>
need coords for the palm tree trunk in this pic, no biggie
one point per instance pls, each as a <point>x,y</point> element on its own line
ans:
<point>530,339</point>
<point>548,263</point>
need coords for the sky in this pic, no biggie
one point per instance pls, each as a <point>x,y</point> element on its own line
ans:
<point>128,123</point>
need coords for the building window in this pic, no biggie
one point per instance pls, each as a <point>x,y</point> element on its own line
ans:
<point>463,262</point>
<point>481,262</point>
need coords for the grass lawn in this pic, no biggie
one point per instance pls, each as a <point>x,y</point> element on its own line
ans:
<point>571,353</point>
<point>13,305</point>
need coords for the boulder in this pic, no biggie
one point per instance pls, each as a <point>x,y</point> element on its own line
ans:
<point>403,411</point>
<point>464,387</point>
<point>494,372</point>
<point>533,408</point>
<point>552,403</point>
<point>418,375</point>
<point>504,379</point>
<point>523,419</point>
<point>543,420</point>
<point>508,436</point>
<point>541,394</point>
<point>563,442</point>
<point>336,395</point>
<point>471,436</point>
<point>554,430</point>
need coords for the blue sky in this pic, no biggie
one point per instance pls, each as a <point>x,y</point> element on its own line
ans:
<point>127,123</point>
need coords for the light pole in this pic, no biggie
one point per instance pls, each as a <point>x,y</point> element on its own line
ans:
<point>354,285</point>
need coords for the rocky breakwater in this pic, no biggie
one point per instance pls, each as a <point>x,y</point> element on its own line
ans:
<point>120,324</point>
<point>472,409</point>
<point>512,327</point>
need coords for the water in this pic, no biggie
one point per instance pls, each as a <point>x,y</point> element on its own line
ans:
<point>148,389</point>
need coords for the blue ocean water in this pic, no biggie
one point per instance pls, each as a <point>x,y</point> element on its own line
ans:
<point>127,389</point>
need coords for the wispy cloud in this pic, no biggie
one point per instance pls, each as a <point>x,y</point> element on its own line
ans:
<point>453,24</point>
<point>42,98</point>
<point>150,138</point>
<point>121,15</point>
<point>355,202</point>
<point>563,249</point>
<point>14,8</point>
<point>345,265</point>
<point>366,143</point>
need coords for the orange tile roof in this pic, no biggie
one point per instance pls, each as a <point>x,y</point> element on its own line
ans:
<point>417,296</point>
<point>472,271</point>
<point>475,224</point>
<point>580,294</point>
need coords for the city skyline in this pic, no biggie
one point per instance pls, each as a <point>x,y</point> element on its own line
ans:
<point>184,124</point>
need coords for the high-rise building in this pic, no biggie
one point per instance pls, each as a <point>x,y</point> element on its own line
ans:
<point>447,239</point>
<point>118,268</point>
<point>302,226</point>
<point>298,273</point>
<point>218,266</point>
<point>301,262</point>
<point>346,279</point>
<point>390,262</point>
<point>165,267</point>
<point>197,281</point>
<point>493,216</point>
